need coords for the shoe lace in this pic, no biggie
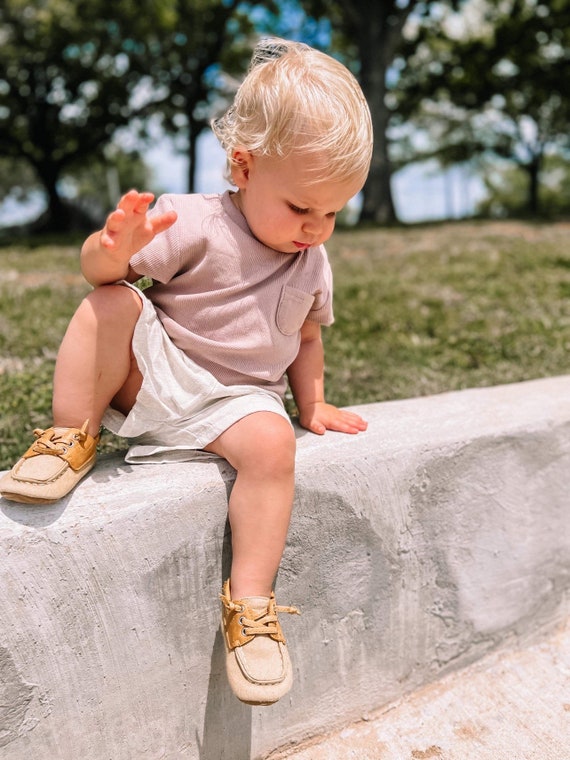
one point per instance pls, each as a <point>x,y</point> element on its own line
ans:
<point>266,623</point>
<point>56,443</point>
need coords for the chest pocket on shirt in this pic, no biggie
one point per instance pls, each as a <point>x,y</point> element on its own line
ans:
<point>294,305</point>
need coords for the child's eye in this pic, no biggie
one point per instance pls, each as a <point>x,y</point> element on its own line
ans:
<point>297,210</point>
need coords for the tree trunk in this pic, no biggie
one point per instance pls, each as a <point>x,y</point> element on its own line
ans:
<point>376,44</point>
<point>378,204</point>
<point>58,216</point>
<point>533,170</point>
<point>194,131</point>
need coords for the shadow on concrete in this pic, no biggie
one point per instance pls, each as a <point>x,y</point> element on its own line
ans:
<point>33,515</point>
<point>227,721</point>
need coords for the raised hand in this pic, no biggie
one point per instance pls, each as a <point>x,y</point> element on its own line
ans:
<point>128,228</point>
<point>106,254</point>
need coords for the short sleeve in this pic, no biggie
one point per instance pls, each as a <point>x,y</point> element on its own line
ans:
<point>161,258</point>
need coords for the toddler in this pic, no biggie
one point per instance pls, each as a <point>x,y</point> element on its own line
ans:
<point>197,364</point>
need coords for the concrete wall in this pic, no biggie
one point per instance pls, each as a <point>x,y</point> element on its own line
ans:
<point>438,535</point>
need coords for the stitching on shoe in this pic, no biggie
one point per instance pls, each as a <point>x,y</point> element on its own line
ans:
<point>240,653</point>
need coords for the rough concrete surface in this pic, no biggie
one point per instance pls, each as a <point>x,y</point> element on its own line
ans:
<point>437,537</point>
<point>512,705</point>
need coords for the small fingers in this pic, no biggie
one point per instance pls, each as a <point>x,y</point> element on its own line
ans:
<point>348,422</point>
<point>113,225</point>
<point>322,417</point>
<point>115,220</point>
<point>131,212</point>
<point>318,428</point>
<point>163,222</point>
<point>345,427</point>
<point>356,422</point>
<point>135,202</point>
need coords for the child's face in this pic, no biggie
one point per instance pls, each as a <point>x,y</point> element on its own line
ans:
<point>284,207</point>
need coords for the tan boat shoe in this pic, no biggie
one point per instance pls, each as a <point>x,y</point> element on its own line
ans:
<point>257,661</point>
<point>52,466</point>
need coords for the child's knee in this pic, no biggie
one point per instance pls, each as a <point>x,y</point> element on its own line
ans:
<point>274,446</point>
<point>113,304</point>
<point>262,444</point>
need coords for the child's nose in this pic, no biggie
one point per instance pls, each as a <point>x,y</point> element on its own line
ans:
<point>312,226</point>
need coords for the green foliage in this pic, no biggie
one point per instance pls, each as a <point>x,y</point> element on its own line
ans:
<point>17,179</point>
<point>498,88</point>
<point>70,73</point>
<point>97,184</point>
<point>186,60</point>
<point>507,189</point>
<point>368,37</point>
<point>73,73</point>
<point>69,70</point>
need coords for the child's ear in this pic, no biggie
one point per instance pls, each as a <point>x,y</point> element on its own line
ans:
<point>240,163</point>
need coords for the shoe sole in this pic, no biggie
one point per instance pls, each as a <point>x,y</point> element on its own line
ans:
<point>21,499</point>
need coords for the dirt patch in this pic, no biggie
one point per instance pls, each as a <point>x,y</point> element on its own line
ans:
<point>433,751</point>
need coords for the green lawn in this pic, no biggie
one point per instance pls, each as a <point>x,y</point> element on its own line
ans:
<point>419,310</point>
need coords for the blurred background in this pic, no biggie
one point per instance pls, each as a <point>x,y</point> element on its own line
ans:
<point>471,108</point>
<point>470,102</point>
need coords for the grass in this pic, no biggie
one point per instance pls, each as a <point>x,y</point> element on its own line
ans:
<point>419,310</point>
<point>432,309</point>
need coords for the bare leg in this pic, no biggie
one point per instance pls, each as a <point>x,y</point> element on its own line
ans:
<point>95,364</point>
<point>261,447</point>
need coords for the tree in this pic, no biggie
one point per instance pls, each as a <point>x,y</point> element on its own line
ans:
<point>203,38</point>
<point>507,189</point>
<point>372,34</point>
<point>73,73</point>
<point>497,89</point>
<point>69,71</point>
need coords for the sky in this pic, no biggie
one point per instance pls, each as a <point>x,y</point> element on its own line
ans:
<point>421,191</point>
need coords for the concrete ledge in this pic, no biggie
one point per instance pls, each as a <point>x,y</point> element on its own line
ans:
<point>439,535</point>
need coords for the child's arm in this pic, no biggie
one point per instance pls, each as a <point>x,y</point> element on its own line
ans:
<point>306,378</point>
<point>105,255</point>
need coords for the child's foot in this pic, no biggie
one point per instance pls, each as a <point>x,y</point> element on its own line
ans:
<point>51,467</point>
<point>257,661</point>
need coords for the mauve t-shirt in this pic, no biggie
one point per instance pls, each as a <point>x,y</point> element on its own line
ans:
<point>233,305</point>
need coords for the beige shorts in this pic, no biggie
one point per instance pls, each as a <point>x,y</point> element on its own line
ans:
<point>180,407</point>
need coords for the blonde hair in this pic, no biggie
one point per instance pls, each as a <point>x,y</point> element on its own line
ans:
<point>297,99</point>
